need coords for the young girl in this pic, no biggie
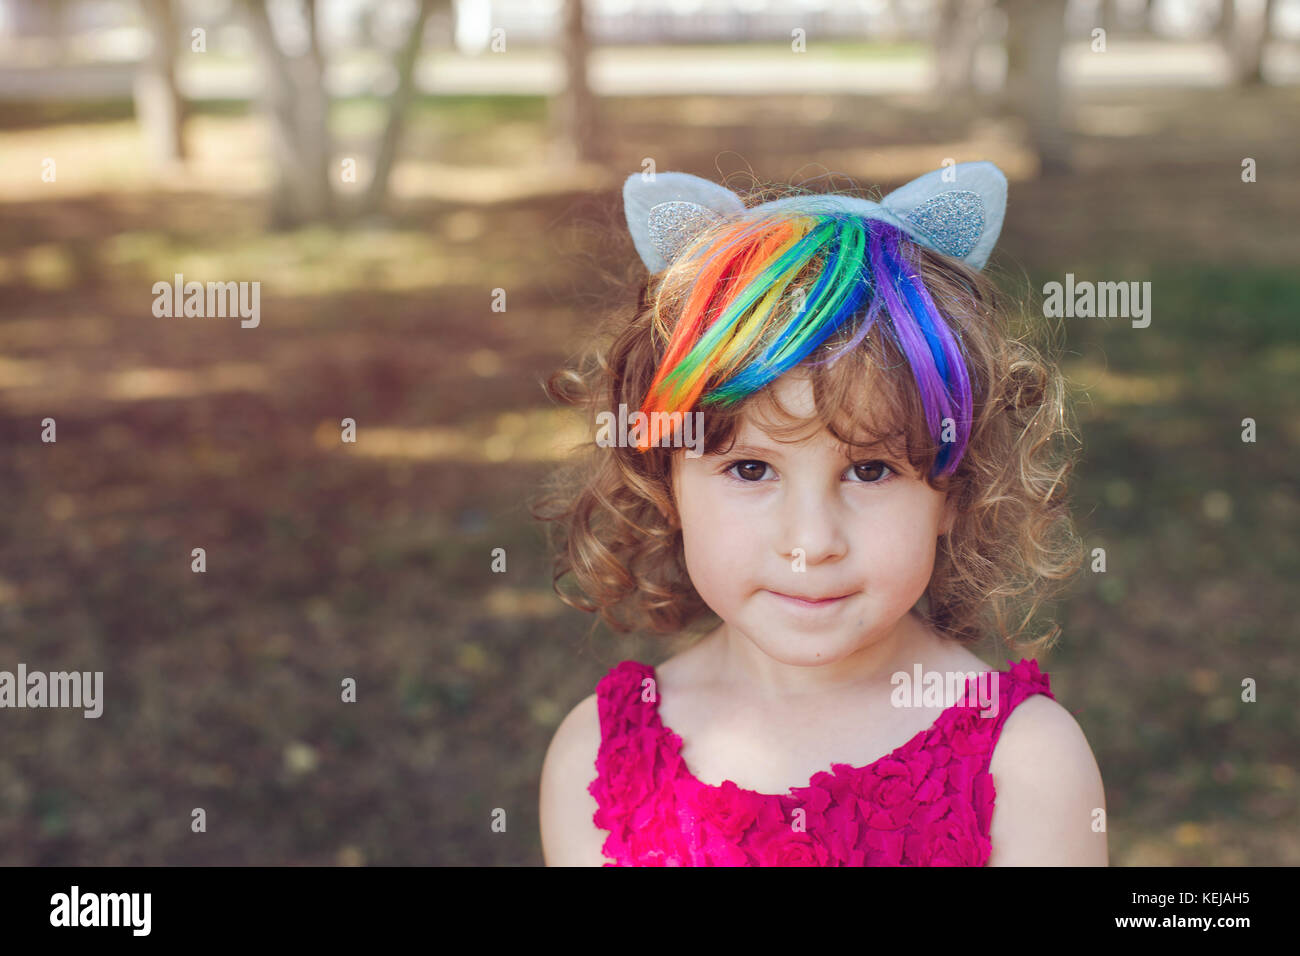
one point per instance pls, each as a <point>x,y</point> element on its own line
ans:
<point>875,484</point>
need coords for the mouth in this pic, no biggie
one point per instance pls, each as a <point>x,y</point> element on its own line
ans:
<point>800,600</point>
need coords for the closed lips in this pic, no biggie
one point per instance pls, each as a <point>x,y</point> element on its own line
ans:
<point>810,600</point>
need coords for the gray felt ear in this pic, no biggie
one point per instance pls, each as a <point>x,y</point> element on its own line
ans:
<point>666,209</point>
<point>957,210</point>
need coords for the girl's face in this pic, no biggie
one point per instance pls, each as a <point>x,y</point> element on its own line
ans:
<point>770,523</point>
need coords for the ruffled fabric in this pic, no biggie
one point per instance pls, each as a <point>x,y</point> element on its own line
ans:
<point>928,803</point>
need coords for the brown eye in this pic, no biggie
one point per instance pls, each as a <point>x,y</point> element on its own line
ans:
<point>749,470</point>
<point>871,471</point>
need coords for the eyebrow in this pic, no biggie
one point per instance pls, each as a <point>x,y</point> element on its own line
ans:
<point>744,448</point>
<point>760,451</point>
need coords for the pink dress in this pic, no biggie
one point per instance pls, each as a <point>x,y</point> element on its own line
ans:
<point>928,803</point>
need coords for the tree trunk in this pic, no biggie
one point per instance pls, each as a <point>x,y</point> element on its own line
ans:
<point>398,105</point>
<point>575,109</point>
<point>1108,17</point>
<point>956,44</point>
<point>314,117</point>
<point>1244,30</point>
<point>296,104</point>
<point>159,106</point>
<point>1035,36</point>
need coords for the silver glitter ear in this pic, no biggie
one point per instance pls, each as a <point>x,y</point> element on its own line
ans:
<point>952,220</point>
<point>671,225</point>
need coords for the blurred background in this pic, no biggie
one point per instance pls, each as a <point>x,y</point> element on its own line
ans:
<point>429,195</point>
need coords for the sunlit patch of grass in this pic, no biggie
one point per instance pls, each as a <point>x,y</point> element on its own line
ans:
<point>226,154</point>
<point>15,373</point>
<point>105,156</point>
<point>462,115</point>
<point>495,184</point>
<point>1115,388</point>
<point>48,266</point>
<point>1283,359</point>
<point>521,603</point>
<point>141,383</point>
<point>36,383</point>
<point>312,261</point>
<point>227,143</point>
<point>540,434</point>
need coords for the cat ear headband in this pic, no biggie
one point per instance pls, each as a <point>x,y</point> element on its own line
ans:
<point>957,211</point>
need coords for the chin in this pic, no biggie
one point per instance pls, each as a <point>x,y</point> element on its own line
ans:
<point>805,646</point>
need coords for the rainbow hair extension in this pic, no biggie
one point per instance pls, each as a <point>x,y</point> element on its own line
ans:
<point>742,326</point>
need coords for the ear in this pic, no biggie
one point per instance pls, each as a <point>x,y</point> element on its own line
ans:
<point>665,210</point>
<point>957,210</point>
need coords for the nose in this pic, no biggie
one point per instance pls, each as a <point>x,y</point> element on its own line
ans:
<point>812,522</point>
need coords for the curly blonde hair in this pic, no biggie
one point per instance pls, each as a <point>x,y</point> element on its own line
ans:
<point>613,523</point>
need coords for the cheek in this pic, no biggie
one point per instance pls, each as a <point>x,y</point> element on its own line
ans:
<point>900,542</point>
<point>719,539</point>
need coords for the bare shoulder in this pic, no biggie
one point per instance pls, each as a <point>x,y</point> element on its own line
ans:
<point>1050,806</point>
<point>570,836</point>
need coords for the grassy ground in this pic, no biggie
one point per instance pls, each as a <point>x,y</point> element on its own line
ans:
<point>371,561</point>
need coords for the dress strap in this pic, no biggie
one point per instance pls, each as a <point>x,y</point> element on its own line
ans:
<point>621,700</point>
<point>1018,682</point>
